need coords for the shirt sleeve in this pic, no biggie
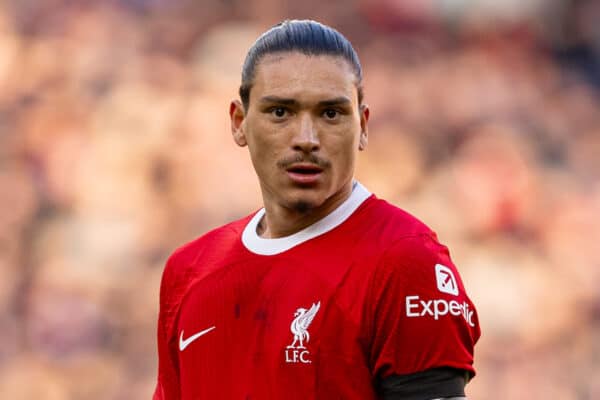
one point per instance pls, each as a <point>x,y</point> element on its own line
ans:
<point>167,386</point>
<point>421,317</point>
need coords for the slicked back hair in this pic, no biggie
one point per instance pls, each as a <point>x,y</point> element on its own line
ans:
<point>305,36</point>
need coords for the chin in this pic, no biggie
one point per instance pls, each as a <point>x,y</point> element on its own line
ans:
<point>305,200</point>
<point>303,206</point>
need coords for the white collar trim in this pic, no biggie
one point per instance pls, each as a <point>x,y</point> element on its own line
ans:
<point>268,247</point>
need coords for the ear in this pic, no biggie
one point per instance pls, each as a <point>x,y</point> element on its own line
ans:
<point>237,115</point>
<point>364,131</point>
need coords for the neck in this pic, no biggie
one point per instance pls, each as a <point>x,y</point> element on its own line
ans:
<point>280,221</point>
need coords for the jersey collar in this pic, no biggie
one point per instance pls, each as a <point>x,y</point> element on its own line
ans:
<point>268,247</point>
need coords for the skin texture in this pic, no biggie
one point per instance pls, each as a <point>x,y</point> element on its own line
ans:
<point>303,114</point>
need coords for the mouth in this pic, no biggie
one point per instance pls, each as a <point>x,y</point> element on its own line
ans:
<point>304,173</point>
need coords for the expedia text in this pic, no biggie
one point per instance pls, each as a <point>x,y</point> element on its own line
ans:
<point>415,307</point>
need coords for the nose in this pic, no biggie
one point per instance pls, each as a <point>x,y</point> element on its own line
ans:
<point>306,138</point>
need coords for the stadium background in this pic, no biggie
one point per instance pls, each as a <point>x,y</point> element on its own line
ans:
<point>115,148</point>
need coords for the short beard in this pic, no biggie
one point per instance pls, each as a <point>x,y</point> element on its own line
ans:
<point>302,207</point>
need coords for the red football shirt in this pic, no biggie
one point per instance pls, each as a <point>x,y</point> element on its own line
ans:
<point>360,295</point>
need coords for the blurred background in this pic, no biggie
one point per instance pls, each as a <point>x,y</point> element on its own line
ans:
<point>115,149</point>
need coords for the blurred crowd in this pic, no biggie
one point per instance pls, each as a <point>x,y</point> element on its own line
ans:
<point>115,149</point>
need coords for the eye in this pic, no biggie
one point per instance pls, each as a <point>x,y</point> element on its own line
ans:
<point>330,114</point>
<point>279,112</point>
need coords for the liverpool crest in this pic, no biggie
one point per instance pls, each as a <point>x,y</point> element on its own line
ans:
<point>297,352</point>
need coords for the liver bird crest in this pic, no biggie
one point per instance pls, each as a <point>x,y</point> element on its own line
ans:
<point>300,325</point>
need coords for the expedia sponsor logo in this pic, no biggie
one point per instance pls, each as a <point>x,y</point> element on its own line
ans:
<point>446,282</point>
<point>417,307</point>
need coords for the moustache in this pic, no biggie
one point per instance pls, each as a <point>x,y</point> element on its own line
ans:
<point>303,158</point>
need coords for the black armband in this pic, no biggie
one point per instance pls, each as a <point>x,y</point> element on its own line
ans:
<point>426,385</point>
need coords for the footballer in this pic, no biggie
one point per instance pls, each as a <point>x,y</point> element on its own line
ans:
<point>327,291</point>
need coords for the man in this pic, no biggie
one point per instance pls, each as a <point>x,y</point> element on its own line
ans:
<point>327,292</point>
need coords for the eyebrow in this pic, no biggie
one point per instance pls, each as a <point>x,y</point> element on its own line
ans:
<point>342,100</point>
<point>338,101</point>
<point>278,100</point>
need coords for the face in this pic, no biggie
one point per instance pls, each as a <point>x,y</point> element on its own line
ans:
<point>303,128</point>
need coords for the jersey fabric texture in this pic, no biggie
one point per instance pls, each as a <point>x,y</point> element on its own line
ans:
<point>363,294</point>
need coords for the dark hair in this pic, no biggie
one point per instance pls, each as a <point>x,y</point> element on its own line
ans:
<point>306,36</point>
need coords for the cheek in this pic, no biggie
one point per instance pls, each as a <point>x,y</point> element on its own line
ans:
<point>265,148</point>
<point>343,143</point>
<point>345,153</point>
<point>343,159</point>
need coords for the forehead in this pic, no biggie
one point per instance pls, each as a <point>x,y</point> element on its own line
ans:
<point>304,77</point>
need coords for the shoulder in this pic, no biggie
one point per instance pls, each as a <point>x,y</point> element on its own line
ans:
<point>389,223</point>
<point>403,253</point>
<point>193,261</point>
<point>408,252</point>
<point>417,264</point>
<point>391,240</point>
<point>392,234</point>
<point>199,256</point>
<point>218,240</point>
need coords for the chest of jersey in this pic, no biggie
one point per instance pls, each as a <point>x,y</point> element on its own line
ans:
<point>276,327</point>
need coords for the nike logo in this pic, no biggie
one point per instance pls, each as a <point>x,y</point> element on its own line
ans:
<point>185,343</point>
